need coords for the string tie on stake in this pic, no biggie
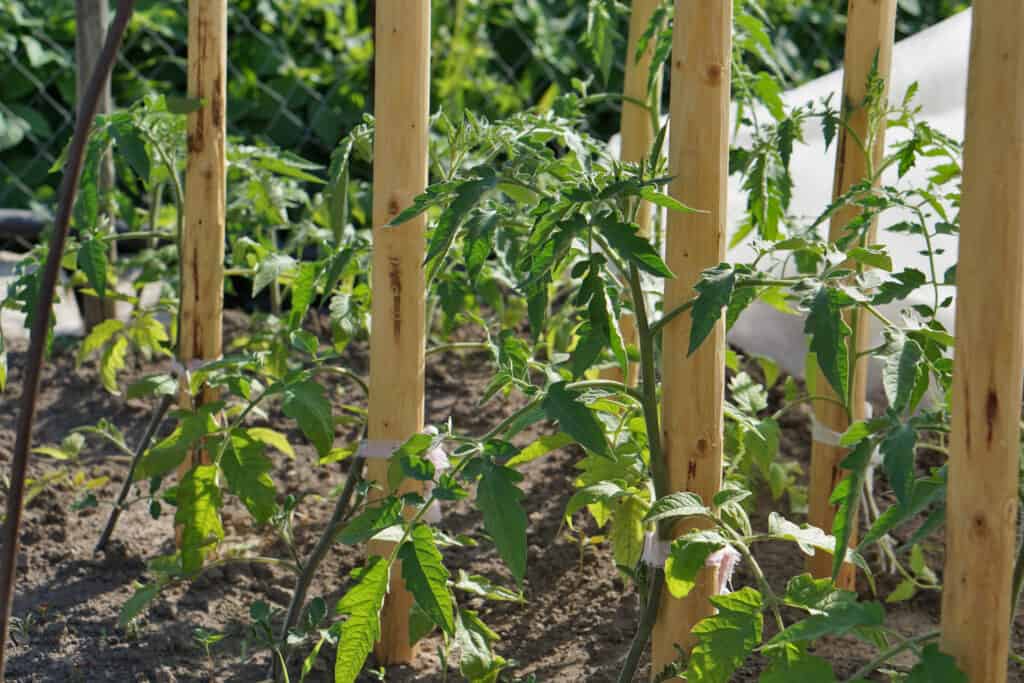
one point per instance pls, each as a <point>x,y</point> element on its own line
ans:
<point>724,560</point>
<point>820,433</point>
<point>383,449</point>
<point>655,550</point>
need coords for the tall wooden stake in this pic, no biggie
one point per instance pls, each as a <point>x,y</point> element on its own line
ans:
<point>202,240</point>
<point>694,386</point>
<point>637,137</point>
<point>984,446</point>
<point>91,19</point>
<point>398,334</point>
<point>870,32</point>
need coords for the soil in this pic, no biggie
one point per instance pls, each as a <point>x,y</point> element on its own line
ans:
<point>575,626</point>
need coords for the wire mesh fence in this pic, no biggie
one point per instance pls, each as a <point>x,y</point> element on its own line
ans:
<point>300,71</point>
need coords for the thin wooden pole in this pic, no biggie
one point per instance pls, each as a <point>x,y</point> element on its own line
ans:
<point>91,19</point>
<point>398,332</point>
<point>694,386</point>
<point>202,240</point>
<point>870,32</point>
<point>637,136</point>
<point>984,446</point>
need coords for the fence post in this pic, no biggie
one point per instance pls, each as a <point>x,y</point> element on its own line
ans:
<point>91,19</point>
<point>870,33</point>
<point>984,444</point>
<point>637,136</point>
<point>694,386</point>
<point>202,240</point>
<point>398,331</point>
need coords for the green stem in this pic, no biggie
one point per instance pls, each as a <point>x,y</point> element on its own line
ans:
<point>643,633</point>
<point>648,385</point>
<point>888,654</point>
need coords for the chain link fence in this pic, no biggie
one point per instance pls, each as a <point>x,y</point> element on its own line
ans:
<point>300,71</point>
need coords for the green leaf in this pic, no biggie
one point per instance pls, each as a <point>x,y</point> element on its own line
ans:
<point>171,451</point>
<point>99,336</point>
<point>133,607</point>
<point>713,294</point>
<point>665,201</point>
<point>627,534</point>
<point>154,385</point>
<point>539,448</point>
<point>809,539</point>
<point>828,333</point>
<point>485,588</point>
<point>133,147</point>
<point>898,449</point>
<point>791,662</point>
<point>176,104</point>
<point>839,619</point>
<point>270,269</point>
<point>271,438</point>
<point>686,559</point>
<point>872,256</point>
<point>466,198</point>
<point>246,469</point>
<point>629,245</point>
<point>904,591</point>
<point>575,419</point>
<point>900,374</point>
<point>477,661</point>
<point>426,577</point>
<point>499,498</point>
<point>305,403</point>
<point>303,291</point>
<point>92,260</point>
<point>675,506</point>
<point>372,520</point>
<point>726,639</point>
<point>112,360</point>
<point>362,605</point>
<point>199,501</point>
<point>290,168</point>
<point>601,492</point>
<point>936,667</point>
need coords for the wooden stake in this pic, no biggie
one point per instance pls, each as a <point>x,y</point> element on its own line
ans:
<point>984,447</point>
<point>871,26</point>
<point>398,333</point>
<point>694,386</point>
<point>202,240</point>
<point>91,19</point>
<point>637,137</point>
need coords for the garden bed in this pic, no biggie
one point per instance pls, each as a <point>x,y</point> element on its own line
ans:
<point>576,624</point>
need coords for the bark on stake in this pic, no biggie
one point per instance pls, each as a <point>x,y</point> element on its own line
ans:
<point>870,31</point>
<point>637,137</point>
<point>202,239</point>
<point>397,335</point>
<point>91,19</point>
<point>37,341</point>
<point>694,386</point>
<point>984,447</point>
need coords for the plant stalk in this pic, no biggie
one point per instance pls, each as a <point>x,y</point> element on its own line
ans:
<point>147,437</point>
<point>41,324</point>
<point>644,628</point>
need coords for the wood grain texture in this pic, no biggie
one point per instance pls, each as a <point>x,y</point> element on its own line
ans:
<point>694,386</point>
<point>397,337</point>
<point>984,445</point>
<point>871,26</point>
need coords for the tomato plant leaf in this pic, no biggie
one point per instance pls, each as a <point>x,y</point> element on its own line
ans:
<point>838,619</point>
<point>898,449</point>
<point>199,501</point>
<point>426,577</point>
<point>936,667</point>
<point>900,374</point>
<point>846,497</point>
<point>790,662</point>
<point>686,559</point>
<point>575,419</point>
<point>92,260</point>
<point>625,240</point>
<point>473,638</point>
<point>303,291</point>
<point>271,438</point>
<point>675,506</point>
<point>270,269</point>
<point>726,639</point>
<point>714,291</point>
<point>828,333</point>
<point>627,533</point>
<point>372,520</point>
<point>539,448</point>
<point>499,498</point>
<point>171,451</point>
<point>362,605</point>
<point>133,607</point>
<point>305,403</point>
<point>112,360</point>
<point>246,469</point>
